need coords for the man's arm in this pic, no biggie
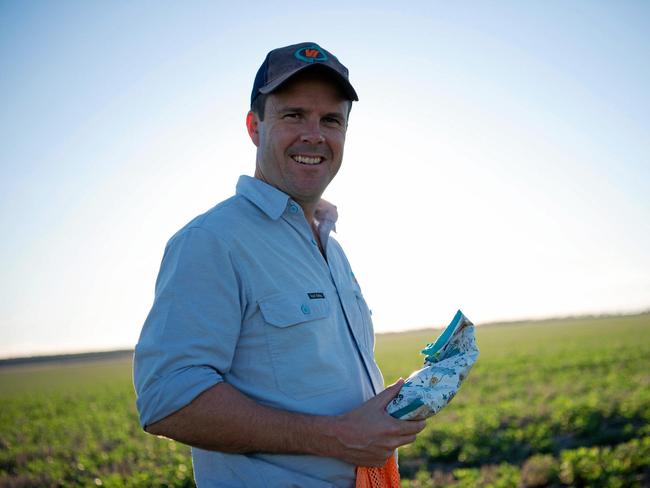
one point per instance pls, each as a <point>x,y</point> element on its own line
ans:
<point>224,419</point>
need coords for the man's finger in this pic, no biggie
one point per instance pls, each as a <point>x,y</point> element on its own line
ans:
<point>389,393</point>
<point>407,439</point>
<point>408,427</point>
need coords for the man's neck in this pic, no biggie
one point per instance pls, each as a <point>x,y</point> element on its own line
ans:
<point>309,210</point>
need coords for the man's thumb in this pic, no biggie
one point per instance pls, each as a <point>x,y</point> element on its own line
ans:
<point>389,393</point>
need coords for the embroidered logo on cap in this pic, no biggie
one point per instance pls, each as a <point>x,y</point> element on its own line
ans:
<point>310,54</point>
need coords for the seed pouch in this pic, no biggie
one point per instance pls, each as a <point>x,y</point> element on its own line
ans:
<point>447,363</point>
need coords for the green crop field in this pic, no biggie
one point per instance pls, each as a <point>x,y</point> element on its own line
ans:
<point>550,403</point>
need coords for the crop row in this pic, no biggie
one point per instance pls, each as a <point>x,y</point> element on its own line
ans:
<point>626,465</point>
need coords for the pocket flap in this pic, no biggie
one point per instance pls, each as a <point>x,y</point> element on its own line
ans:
<point>291,308</point>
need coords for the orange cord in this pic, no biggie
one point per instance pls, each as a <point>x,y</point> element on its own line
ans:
<point>386,476</point>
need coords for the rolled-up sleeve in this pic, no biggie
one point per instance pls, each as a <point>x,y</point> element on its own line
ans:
<point>189,337</point>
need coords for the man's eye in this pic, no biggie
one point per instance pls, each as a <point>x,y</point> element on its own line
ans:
<point>291,116</point>
<point>332,120</point>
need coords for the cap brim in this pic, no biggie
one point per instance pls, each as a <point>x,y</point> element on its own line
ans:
<point>345,84</point>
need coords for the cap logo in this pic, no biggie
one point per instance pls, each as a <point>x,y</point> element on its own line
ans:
<point>310,54</point>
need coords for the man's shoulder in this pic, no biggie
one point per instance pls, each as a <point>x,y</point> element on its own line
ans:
<point>221,220</point>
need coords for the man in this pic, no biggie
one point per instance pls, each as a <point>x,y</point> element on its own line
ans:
<point>258,350</point>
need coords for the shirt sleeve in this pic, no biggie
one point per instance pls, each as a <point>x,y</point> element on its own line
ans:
<point>189,337</point>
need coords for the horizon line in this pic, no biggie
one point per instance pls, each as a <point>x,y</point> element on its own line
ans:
<point>71,355</point>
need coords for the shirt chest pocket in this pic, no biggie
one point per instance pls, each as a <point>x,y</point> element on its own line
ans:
<point>303,343</point>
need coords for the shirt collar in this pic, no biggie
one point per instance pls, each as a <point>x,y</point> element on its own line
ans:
<point>273,203</point>
<point>267,198</point>
<point>326,216</point>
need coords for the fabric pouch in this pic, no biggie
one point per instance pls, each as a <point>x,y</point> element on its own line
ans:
<point>447,364</point>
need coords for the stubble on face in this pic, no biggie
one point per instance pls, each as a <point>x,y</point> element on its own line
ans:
<point>301,140</point>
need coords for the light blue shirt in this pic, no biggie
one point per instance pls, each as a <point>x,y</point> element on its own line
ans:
<point>245,296</point>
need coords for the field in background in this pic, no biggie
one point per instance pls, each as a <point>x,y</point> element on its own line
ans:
<point>550,403</point>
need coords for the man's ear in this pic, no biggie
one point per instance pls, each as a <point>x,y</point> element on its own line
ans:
<point>252,122</point>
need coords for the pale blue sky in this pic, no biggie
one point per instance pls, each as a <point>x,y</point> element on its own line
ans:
<point>498,160</point>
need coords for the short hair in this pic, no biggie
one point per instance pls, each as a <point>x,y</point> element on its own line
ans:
<point>258,105</point>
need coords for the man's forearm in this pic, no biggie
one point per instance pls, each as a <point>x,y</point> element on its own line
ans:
<point>224,419</point>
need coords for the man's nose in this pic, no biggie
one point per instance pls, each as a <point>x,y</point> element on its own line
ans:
<point>312,134</point>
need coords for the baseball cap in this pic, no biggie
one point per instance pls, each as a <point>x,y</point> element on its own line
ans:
<point>284,62</point>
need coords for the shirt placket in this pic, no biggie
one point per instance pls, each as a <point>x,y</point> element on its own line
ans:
<point>296,219</point>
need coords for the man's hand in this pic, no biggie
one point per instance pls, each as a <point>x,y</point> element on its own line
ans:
<point>368,435</point>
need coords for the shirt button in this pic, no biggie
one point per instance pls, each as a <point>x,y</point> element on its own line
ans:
<point>314,242</point>
<point>293,208</point>
<point>305,309</point>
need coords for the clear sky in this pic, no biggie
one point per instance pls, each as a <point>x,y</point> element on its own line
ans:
<point>498,160</point>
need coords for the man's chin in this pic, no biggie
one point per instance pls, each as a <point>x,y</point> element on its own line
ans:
<point>308,196</point>
<point>308,190</point>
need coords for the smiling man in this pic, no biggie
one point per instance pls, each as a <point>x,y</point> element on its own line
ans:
<point>258,350</point>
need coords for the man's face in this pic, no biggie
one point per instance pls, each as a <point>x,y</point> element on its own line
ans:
<point>300,141</point>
